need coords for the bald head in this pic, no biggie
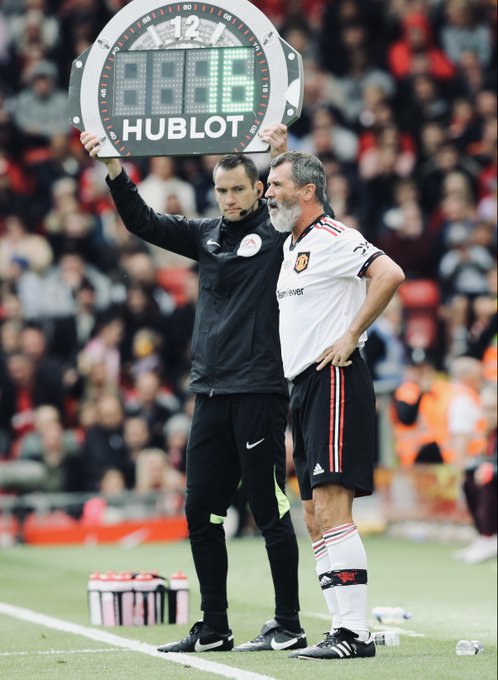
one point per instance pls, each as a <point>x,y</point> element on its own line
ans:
<point>467,370</point>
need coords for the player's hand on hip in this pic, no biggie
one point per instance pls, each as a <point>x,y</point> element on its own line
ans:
<point>338,353</point>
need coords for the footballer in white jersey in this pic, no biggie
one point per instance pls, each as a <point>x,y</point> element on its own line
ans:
<point>321,275</point>
<point>325,310</point>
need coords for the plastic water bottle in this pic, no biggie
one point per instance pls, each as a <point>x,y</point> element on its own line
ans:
<point>123,598</point>
<point>469,647</point>
<point>144,613</point>
<point>390,614</point>
<point>389,638</point>
<point>107,583</point>
<point>158,586</point>
<point>94,594</point>
<point>178,598</point>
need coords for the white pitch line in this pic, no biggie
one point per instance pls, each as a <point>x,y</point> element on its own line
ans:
<point>131,645</point>
<point>63,651</point>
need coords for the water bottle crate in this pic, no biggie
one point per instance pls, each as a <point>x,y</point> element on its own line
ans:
<point>137,599</point>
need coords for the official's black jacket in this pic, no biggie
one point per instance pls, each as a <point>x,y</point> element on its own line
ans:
<point>235,343</point>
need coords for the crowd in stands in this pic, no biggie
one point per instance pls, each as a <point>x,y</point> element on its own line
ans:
<point>400,105</point>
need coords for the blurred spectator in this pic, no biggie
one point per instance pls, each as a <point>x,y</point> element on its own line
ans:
<point>54,466</point>
<point>463,275</point>
<point>471,77</point>
<point>33,24</point>
<point>155,473</point>
<point>40,109</point>
<point>423,103</point>
<point>22,392</point>
<point>328,136</point>
<point>176,433</point>
<point>417,39</point>
<point>24,258</point>
<point>429,139</point>
<point>466,423</point>
<point>140,310</point>
<point>387,142</point>
<point>19,244</point>
<point>136,436</point>
<point>50,372</point>
<point>44,417</point>
<point>385,352</point>
<point>464,32</point>
<point>342,196</point>
<point>362,74</point>
<point>481,491</point>
<point>160,184</point>
<point>146,355</point>
<point>150,402</point>
<point>14,182</point>
<point>298,32</point>
<point>69,334</point>
<point>388,159</point>
<point>349,25</point>
<point>483,336</point>
<point>420,413</point>
<point>177,332</point>
<point>104,446</point>
<point>10,336</point>
<point>408,241</point>
<point>101,509</point>
<point>433,172</point>
<point>95,384</point>
<point>463,268</point>
<point>140,268</point>
<point>61,282</point>
<point>104,347</point>
<point>61,163</point>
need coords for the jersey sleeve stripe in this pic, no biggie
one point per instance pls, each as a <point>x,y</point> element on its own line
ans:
<point>330,226</point>
<point>368,262</point>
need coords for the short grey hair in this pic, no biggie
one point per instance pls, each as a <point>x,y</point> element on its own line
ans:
<point>306,169</point>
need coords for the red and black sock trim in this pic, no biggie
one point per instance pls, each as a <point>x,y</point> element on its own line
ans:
<point>344,577</point>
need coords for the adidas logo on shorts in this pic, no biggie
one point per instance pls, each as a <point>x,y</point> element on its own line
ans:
<point>318,470</point>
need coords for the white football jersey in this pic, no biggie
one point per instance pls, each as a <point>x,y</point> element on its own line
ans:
<point>320,290</point>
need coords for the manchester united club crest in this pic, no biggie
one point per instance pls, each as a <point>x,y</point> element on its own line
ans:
<point>302,262</point>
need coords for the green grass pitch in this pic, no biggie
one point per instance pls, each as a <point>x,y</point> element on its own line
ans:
<point>449,601</point>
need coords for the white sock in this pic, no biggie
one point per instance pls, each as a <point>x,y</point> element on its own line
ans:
<point>348,568</point>
<point>322,571</point>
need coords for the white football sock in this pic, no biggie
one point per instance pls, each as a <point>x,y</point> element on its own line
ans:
<point>322,570</point>
<point>348,568</point>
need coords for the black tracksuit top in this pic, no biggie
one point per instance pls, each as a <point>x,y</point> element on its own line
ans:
<point>235,343</point>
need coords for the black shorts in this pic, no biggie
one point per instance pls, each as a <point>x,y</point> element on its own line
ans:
<point>333,427</point>
<point>238,437</point>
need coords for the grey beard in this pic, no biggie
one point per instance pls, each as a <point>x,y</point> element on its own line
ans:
<point>286,217</point>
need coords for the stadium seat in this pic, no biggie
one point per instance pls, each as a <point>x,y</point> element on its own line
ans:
<point>421,298</point>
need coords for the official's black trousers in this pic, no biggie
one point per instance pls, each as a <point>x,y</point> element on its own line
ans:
<point>233,438</point>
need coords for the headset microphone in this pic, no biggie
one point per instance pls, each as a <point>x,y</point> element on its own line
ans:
<point>243,212</point>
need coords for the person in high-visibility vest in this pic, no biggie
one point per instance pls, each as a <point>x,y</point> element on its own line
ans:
<point>466,422</point>
<point>419,413</point>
